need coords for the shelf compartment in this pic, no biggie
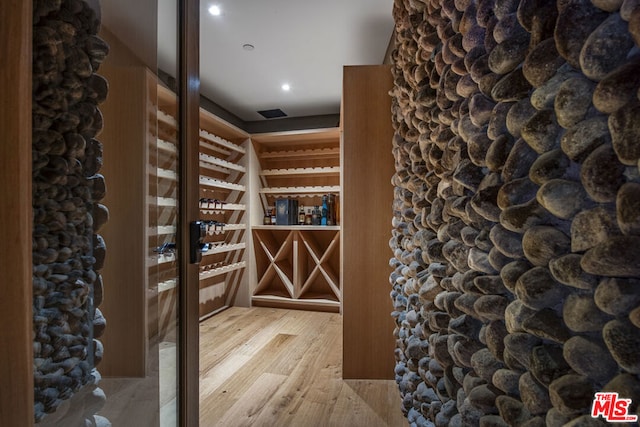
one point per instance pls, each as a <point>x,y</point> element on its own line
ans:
<point>319,153</point>
<point>320,245</point>
<point>331,170</point>
<point>300,191</point>
<point>297,227</point>
<point>167,285</point>
<point>275,282</point>
<point>224,247</point>
<point>272,241</point>
<point>160,259</point>
<point>167,202</point>
<point>167,146</point>
<point>299,304</point>
<point>318,287</point>
<point>220,141</point>
<point>215,168</point>
<point>301,257</point>
<point>219,162</point>
<point>165,174</point>
<point>215,148</point>
<point>224,229</point>
<point>167,119</point>
<point>278,267</point>
<point>221,270</point>
<point>162,230</point>
<point>323,280</point>
<point>223,208</point>
<point>216,183</point>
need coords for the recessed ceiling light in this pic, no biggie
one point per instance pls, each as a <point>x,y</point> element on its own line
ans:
<point>248,46</point>
<point>286,87</point>
<point>215,10</point>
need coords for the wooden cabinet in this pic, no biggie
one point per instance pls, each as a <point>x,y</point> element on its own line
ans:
<point>296,266</point>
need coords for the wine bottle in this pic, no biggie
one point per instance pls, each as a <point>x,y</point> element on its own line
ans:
<point>301,215</point>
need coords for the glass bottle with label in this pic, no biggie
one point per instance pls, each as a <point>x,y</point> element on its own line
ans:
<point>325,210</point>
<point>307,217</point>
<point>331,209</point>
<point>273,216</point>
<point>267,217</point>
<point>301,215</point>
<point>316,215</point>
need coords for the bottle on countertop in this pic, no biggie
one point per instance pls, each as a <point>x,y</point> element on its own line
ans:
<point>325,210</point>
<point>331,209</point>
<point>308,220</point>
<point>273,216</point>
<point>316,216</point>
<point>301,215</point>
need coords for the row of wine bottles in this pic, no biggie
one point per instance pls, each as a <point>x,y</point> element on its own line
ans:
<point>287,212</point>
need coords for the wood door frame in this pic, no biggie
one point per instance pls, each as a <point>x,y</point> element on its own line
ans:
<point>188,210</point>
<point>16,222</point>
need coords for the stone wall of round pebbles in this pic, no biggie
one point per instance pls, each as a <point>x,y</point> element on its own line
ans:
<point>516,237</point>
<point>67,251</point>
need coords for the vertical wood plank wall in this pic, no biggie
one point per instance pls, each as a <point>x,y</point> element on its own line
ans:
<point>124,141</point>
<point>16,330</point>
<point>366,222</point>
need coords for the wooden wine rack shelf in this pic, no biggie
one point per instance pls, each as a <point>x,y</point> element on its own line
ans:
<point>298,267</point>
<point>223,171</point>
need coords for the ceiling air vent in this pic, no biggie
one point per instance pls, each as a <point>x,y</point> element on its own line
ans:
<point>272,114</point>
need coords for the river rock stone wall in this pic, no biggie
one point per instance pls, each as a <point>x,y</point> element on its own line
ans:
<point>67,251</point>
<point>516,237</point>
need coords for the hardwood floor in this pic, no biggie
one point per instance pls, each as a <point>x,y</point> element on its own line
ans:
<point>275,367</point>
<point>259,367</point>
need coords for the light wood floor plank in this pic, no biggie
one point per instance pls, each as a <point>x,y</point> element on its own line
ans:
<point>248,408</point>
<point>214,405</point>
<point>231,332</point>
<point>262,367</point>
<point>281,368</point>
<point>308,390</point>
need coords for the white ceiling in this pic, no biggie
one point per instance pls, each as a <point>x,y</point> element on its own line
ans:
<point>304,43</point>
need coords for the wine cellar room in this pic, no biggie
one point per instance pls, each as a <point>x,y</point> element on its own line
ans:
<point>294,213</point>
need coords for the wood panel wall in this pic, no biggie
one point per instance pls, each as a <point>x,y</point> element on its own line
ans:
<point>125,156</point>
<point>366,222</point>
<point>16,319</point>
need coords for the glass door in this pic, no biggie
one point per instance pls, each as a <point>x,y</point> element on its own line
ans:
<point>133,363</point>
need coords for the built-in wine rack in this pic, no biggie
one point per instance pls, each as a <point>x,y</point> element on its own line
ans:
<point>297,266</point>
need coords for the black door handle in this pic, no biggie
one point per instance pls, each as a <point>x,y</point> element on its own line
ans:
<point>197,233</point>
